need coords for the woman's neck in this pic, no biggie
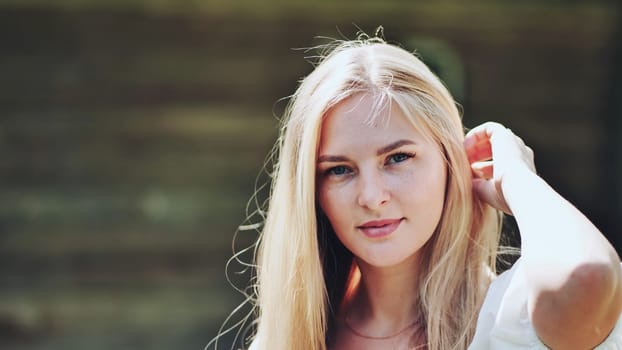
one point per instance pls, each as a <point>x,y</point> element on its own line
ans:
<point>386,298</point>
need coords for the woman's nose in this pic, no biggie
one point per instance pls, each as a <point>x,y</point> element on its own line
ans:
<point>373,191</point>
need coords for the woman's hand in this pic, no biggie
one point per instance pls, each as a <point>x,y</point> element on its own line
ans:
<point>576,299</point>
<point>494,152</point>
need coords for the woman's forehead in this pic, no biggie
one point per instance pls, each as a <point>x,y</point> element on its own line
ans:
<point>359,120</point>
<point>374,111</point>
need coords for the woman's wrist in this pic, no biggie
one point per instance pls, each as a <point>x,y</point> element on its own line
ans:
<point>521,186</point>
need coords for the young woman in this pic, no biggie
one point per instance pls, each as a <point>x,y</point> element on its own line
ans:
<point>383,225</point>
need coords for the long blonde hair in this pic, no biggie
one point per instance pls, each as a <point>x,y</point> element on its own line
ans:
<point>302,268</point>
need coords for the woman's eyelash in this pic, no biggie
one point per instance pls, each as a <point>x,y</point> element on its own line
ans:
<point>399,157</point>
<point>341,170</point>
<point>337,170</point>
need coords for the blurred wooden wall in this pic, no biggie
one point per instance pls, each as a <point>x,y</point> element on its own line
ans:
<point>131,137</point>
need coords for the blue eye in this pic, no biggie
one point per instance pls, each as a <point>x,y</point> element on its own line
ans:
<point>399,157</point>
<point>338,170</point>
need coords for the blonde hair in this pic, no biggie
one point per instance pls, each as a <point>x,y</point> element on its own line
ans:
<point>303,270</point>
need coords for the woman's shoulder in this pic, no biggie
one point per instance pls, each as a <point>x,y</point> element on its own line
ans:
<point>504,322</point>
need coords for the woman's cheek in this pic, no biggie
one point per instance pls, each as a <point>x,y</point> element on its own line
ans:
<point>333,203</point>
<point>326,200</point>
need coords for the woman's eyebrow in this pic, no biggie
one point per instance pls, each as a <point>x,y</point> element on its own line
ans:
<point>390,147</point>
<point>333,159</point>
<point>383,150</point>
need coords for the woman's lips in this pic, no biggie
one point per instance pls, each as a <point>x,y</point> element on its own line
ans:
<point>380,228</point>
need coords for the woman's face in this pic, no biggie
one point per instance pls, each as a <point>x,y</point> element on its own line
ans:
<point>381,184</point>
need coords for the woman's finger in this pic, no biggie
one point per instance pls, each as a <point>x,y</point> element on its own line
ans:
<point>488,191</point>
<point>483,170</point>
<point>485,130</point>
<point>478,148</point>
<point>479,141</point>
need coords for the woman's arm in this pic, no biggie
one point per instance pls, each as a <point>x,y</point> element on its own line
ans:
<point>573,273</point>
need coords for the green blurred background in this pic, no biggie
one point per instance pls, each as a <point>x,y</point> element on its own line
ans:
<point>132,132</point>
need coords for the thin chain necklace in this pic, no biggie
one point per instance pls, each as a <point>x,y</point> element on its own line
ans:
<point>355,332</point>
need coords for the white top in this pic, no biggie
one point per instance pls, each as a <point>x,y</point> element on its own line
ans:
<point>503,321</point>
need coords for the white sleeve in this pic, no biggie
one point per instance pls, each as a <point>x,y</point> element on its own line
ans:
<point>504,324</point>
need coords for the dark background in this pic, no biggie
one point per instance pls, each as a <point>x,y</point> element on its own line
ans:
<point>132,132</point>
